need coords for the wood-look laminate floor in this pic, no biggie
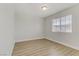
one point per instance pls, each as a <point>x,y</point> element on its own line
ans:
<point>43,47</point>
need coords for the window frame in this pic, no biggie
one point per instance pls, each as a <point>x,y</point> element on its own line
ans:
<point>63,26</point>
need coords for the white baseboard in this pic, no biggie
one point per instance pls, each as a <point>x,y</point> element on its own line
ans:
<point>32,38</point>
<point>73,47</point>
<point>51,39</point>
<point>12,48</point>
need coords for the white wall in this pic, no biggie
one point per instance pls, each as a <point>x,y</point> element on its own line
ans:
<point>27,26</point>
<point>69,39</point>
<point>6,28</point>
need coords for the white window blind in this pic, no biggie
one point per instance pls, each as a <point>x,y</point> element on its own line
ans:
<point>62,24</point>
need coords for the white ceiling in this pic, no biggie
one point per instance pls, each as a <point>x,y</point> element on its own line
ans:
<point>35,8</point>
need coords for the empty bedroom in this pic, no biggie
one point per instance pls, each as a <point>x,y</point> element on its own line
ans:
<point>39,29</point>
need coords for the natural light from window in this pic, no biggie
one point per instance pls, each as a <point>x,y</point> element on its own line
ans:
<point>62,24</point>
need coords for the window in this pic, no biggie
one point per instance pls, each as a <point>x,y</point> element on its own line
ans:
<point>62,24</point>
<point>56,25</point>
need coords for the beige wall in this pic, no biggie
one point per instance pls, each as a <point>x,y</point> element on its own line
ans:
<point>6,29</point>
<point>27,26</point>
<point>69,39</point>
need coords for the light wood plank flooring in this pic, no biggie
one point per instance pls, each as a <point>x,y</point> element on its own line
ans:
<point>43,47</point>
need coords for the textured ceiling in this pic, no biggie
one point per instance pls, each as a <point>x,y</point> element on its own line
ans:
<point>34,9</point>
